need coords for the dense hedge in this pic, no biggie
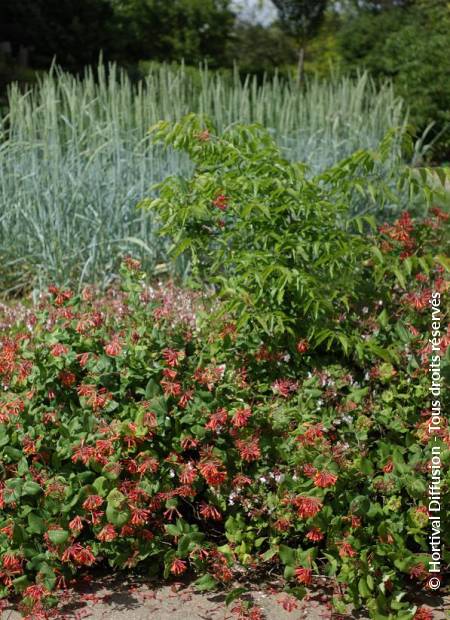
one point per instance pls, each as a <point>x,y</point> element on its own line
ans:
<point>139,437</point>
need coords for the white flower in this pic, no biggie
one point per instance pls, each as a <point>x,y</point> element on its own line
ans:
<point>221,369</point>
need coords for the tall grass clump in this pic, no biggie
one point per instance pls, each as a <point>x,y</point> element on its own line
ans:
<point>75,157</point>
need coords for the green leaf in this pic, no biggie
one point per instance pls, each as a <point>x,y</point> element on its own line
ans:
<point>206,582</point>
<point>116,516</point>
<point>100,484</point>
<point>58,537</point>
<point>287,555</point>
<point>31,488</point>
<point>36,524</point>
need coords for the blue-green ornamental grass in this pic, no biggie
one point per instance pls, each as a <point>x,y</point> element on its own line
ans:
<point>75,157</point>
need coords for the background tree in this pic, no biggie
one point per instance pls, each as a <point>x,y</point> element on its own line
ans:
<point>413,52</point>
<point>73,31</point>
<point>260,50</point>
<point>301,18</point>
<point>190,30</point>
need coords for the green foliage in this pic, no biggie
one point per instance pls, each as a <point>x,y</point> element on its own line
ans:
<point>76,31</point>
<point>412,52</point>
<point>301,17</point>
<point>73,31</point>
<point>190,30</point>
<point>281,248</point>
<point>261,50</point>
<point>129,437</point>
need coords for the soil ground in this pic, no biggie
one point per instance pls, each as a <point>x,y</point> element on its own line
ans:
<point>133,598</point>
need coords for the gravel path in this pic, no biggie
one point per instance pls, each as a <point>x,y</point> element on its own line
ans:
<point>128,598</point>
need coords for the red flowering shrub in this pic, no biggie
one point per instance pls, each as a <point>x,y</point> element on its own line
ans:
<point>133,438</point>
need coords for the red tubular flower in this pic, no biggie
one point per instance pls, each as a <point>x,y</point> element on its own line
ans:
<point>58,350</point>
<point>217,419</point>
<point>132,263</point>
<point>172,357</point>
<point>36,592</point>
<point>303,575</point>
<point>315,534</point>
<point>388,467</point>
<point>423,613</point>
<point>171,388</point>
<point>148,463</point>
<point>170,373</point>
<point>107,534</point>
<point>249,449</point>
<point>188,443</point>
<point>78,554</point>
<point>178,567</point>
<point>203,136</point>
<point>311,435</point>
<point>67,378</point>
<point>302,346</point>
<point>12,563</point>
<point>213,473</point>
<point>221,202</point>
<point>241,417</point>
<point>83,454</point>
<point>185,398</point>
<point>92,502</point>
<point>127,530</point>
<point>284,387</point>
<point>83,359</point>
<point>418,571</point>
<point>307,506</point>
<point>139,516</point>
<point>188,474</point>
<point>355,521</point>
<point>210,512</point>
<point>113,348</point>
<point>346,550</point>
<point>440,214</point>
<point>282,525</point>
<point>324,479</point>
<point>76,525</point>
<point>309,470</point>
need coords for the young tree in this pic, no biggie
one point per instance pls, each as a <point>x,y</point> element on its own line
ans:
<point>301,18</point>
